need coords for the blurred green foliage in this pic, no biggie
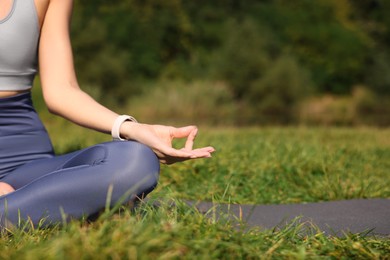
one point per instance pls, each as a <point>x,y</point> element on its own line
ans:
<point>271,54</point>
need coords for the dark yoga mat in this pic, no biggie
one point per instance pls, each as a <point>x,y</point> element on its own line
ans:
<point>333,218</point>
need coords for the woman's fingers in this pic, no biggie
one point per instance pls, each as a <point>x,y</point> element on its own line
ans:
<point>182,132</point>
<point>172,152</point>
<point>203,152</point>
<point>161,143</point>
<point>190,140</point>
<point>171,155</point>
<point>167,159</point>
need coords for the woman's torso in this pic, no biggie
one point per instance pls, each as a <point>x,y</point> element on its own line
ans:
<point>6,7</point>
<point>23,137</point>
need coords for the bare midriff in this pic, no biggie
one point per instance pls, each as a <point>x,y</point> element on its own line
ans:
<point>4,94</point>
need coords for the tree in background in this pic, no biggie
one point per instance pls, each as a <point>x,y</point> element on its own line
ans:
<point>264,50</point>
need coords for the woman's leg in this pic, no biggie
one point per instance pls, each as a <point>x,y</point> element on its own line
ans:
<point>78,183</point>
<point>35,169</point>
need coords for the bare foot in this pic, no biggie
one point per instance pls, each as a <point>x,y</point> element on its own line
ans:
<point>5,188</point>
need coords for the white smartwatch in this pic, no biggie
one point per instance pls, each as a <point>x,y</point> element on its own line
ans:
<point>115,133</point>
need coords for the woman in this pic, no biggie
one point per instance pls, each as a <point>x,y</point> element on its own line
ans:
<point>33,182</point>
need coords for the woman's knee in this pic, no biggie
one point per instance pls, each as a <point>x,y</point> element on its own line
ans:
<point>138,165</point>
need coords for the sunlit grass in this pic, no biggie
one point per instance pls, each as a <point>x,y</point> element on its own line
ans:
<point>172,232</point>
<point>286,165</point>
<point>251,165</point>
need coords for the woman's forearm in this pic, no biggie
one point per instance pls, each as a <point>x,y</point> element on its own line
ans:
<point>77,106</point>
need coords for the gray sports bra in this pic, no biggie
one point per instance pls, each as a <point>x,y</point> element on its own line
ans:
<point>19,36</point>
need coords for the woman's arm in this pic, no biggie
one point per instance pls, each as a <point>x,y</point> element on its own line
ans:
<point>64,97</point>
<point>61,91</point>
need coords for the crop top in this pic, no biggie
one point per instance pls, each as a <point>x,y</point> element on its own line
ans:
<point>19,36</point>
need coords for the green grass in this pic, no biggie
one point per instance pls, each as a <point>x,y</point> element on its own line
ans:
<point>251,165</point>
<point>286,165</point>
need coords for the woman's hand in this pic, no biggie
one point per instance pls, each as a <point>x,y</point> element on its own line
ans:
<point>159,138</point>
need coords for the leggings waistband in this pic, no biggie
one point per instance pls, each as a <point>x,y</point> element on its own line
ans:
<point>22,97</point>
<point>22,135</point>
<point>18,116</point>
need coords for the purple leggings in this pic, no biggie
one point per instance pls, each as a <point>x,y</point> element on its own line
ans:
<point>76,184</point>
